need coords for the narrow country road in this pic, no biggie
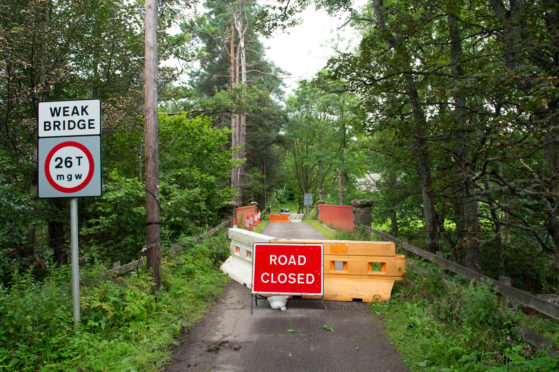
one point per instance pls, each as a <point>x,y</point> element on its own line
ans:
<point>311,335</point>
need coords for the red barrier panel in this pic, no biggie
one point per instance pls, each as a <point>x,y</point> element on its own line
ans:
<point>243,213</point>
<point>338,216</point>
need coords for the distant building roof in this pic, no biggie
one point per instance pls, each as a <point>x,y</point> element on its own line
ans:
<point>368,183</point>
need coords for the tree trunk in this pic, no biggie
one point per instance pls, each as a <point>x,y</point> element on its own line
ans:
<point>239,76</point>
<point>342,173</point>
<point>423,170</point>
<point>498,227</point>
<point>394,224</point>
<point>264,185</point>
<point>471,231</point>
<point>550,173</point>
<point>420,149</point>
<point>515,35</point>
<point>320,180</point>
<point>56,232</point>
<point>340,186</point>
<point>235,127</point>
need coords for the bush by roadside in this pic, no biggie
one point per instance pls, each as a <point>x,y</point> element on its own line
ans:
<point>442,323</point>
<point>124,325</point>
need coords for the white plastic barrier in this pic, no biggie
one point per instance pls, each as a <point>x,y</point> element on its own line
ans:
<point>364,270</point>
<point>296,217</point>
<point>239,265</point>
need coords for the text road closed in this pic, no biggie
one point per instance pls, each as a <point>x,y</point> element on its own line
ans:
<point>294,269</point>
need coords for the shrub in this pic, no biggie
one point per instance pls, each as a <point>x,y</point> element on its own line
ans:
<point>117,233</point>
<point>439,323</point>
<point>124,326</point>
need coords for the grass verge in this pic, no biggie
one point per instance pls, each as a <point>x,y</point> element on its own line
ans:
<point>443,323</point>
<point>124,326</point>
<point>258,229</point>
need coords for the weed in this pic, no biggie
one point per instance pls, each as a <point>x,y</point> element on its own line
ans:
<point>124,326</point>
<point>440,323</point>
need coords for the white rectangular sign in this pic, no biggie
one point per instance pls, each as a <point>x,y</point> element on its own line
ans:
<point>70,118</point>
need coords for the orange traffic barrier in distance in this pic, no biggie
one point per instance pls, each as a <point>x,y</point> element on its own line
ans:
<point>283,217</point>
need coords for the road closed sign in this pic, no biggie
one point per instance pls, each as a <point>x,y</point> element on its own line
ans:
<point>69,149</point>
<point>287,269</point>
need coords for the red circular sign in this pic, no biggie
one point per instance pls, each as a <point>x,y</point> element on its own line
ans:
<point>69,177</point>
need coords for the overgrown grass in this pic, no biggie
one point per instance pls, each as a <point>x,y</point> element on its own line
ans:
<point>328,233</point>
<point>441,322</point>
<point>258,229</point>
<point>438,322</point>
<point>333,234</point>
<point>124,327</point>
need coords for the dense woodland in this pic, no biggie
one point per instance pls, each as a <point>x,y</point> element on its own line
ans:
<point>446,116</point>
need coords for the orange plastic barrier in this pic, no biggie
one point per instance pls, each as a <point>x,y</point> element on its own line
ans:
<point>283,217</point>
<point>355,270</point>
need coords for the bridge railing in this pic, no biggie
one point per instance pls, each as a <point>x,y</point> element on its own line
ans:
<point>338,216</point>
<point>242,213</point>
<point>123,269</point>
<point>512,293</point>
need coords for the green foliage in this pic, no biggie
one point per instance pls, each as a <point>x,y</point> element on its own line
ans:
<point>20,216</point>
<point>319,139</point>
<point>124,326</point>
<point>328,328</point>
<point>440,323</point>
<point>279,198</point>
<point>193,187</point>
<point>116,234</point>
<point>57,50</point>
<point>254,95</point>
<point>195,172</point>
<point>461,128</point>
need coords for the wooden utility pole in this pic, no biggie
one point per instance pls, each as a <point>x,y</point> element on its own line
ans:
<point>153,213</point>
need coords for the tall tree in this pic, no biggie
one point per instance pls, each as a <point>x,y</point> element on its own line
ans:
<point>238,80</point>
<point>55,50</point>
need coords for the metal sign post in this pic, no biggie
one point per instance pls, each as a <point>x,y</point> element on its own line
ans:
<point>75,260</point>
<point>307,202</point>
<point>69,164</point>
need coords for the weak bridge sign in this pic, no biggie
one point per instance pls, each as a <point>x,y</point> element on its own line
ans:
<point>69,149</point>
<point>288,269</point>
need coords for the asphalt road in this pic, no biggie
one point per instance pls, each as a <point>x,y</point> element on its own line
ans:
<point>311,335</point>
<point>299,230</point>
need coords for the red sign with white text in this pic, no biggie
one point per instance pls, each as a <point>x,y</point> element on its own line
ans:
<point>287,268</point>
